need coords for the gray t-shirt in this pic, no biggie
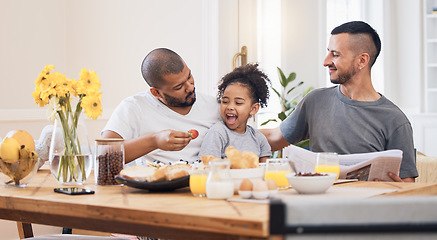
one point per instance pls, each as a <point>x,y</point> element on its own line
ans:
<point>336,123</point>
<point>219,137</point>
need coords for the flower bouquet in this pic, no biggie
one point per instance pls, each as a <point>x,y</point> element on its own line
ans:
<point>61,94</point>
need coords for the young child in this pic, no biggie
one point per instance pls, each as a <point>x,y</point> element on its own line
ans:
<point>241,93</point>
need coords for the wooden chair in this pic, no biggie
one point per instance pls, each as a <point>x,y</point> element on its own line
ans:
<point>427,168</point>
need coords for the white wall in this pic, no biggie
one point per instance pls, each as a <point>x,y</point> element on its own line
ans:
<point>110,37</point>
<point>404,69</point>
<point>404,72</point>
<point>300,42</point>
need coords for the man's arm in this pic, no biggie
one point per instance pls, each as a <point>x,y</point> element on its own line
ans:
<point>167,140</point>
<point>275,138</point>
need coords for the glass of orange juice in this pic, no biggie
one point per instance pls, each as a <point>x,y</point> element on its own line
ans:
<point>327,162</point>
<point>198,177</point>
<point>276,169</point>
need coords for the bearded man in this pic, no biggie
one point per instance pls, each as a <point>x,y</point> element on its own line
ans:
<point>351,117</point>
<point>155,123</point>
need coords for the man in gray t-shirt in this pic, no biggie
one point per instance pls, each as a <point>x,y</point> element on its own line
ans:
<point>335,122</point>
<point>351,117</point>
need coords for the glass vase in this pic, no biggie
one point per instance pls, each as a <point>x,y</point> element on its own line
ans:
<point>70,155</point>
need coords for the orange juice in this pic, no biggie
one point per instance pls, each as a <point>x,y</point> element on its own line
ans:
<point>278,177</point>
<point>328,169</point>
<point>197,184</point>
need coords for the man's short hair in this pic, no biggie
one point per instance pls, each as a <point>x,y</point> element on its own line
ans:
<point>361,30</point>
<point>158,63</point>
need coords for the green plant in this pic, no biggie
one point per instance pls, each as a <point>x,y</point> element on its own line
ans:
<point>287,100</point>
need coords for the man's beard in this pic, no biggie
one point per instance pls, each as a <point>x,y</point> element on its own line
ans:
<point>176,102</point>
<point>344,77</point>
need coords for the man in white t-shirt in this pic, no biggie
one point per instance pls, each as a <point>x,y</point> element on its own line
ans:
<point>155,123</point>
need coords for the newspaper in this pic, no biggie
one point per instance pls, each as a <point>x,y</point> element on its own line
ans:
<point>361,166</point>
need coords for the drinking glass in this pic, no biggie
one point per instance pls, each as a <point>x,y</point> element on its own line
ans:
<point>276,169</point>
<point>327,162</point>
<point>198,178</point>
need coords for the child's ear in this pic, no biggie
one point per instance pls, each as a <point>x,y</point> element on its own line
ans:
<point>254,109</point>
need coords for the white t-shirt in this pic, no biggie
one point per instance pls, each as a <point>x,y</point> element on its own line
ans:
<point>143,114</point>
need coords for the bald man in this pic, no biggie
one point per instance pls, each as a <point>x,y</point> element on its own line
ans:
<point>155,123</point>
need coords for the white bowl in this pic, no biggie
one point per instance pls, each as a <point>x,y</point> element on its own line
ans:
<point>245,194</point>
<point>273,193</point>
<point>260,195</point>
<point>311,184</point>
<point>252,174</point>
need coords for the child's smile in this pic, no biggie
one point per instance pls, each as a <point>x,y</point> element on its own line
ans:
<point>236,107</point>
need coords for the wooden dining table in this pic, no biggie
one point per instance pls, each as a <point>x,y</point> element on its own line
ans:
<point>170,215</point>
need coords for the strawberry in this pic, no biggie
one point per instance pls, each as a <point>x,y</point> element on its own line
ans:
<point>194,133</point>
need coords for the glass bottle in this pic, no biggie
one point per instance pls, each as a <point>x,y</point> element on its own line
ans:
<point>219,184</point>
<point>109,160</point>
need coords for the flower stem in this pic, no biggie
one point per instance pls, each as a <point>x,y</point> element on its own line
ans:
<point>70,163</point>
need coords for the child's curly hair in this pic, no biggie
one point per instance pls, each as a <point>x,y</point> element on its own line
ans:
<point>250,76</point>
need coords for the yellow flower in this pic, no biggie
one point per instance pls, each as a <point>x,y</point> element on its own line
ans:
<point>64,86</point>
<point>46,94</point>
<point>43,75</point>
<point>47,69</point>
<point>37,96</point>
<point>92,105</point>
<point>74,87</point>
<point>88,81</point>
<point>55,88</point>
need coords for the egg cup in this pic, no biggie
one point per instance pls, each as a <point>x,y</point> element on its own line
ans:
<point>261,195</point>
<point>245,194</point>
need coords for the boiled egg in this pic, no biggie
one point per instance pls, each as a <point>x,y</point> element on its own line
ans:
<point>271,184</point>
<point>260,190</point>
<point>246,185</point>
<point>260,186</point>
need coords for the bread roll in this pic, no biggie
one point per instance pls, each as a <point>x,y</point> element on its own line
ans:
<point>143,173</point>
<point>176,171</point>
<point>241,160</point>
<point>251,159</point>
<point>207,158</point>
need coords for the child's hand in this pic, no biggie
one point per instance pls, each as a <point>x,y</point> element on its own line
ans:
<point>193,133</point>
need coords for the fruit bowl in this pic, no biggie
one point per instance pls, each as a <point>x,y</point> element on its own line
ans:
<point>311,184</point>
<point>18,172</point>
